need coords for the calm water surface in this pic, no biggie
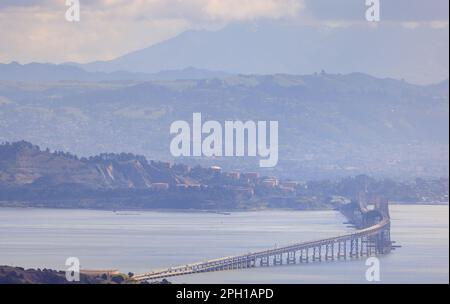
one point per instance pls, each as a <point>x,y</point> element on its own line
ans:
<point>142,241</point>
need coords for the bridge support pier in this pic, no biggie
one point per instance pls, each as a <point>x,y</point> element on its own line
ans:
<point>371,246</point>
<point>251,263</point>
<point>329,251</point>
<point>291,257</point>
<point>383,240</point>
<point>304,255</point>
<point>342,250</point>
<point>239,264</point>
<point>345,250</point>
<point>364,243</point>
<point>354,248</point>
<point>317,253</point>
<point>357,247</point>
<point>264,261</point>
<point>235,264</point>
<point>278,259</point>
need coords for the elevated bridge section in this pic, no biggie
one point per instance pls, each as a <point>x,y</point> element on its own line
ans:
<point>373,238</point>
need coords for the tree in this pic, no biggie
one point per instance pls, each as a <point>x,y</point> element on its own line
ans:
<point>117,279</point>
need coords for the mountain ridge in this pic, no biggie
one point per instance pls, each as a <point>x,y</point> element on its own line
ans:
<point>269,48</point>
<point>39,72</point>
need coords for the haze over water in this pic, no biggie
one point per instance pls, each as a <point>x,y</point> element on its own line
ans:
<point>143,241</point>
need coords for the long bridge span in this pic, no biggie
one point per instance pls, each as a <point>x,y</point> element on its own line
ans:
<point>372,238</point>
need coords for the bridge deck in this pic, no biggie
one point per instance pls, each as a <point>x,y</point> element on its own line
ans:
<point>223,263</point>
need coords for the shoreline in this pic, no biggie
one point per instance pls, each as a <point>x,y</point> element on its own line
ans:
<point>212,211</point>
<point>219,212</point>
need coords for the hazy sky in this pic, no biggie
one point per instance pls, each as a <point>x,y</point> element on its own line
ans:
<point>36,30</point>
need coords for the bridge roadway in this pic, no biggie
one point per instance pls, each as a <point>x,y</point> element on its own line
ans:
<point>372,240</point>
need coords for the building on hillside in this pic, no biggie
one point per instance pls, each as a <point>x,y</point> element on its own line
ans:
<point>286,190</point>
<point>234,175</point>
<point>160,186</point>
<point>215,169</point>
<point>245,191</point>
<point>250,176</point>
<point>195,186</point>
<point>290,184</point>
<point>269,183</point>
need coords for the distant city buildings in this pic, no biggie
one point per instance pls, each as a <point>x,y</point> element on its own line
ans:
<point>245,184</point>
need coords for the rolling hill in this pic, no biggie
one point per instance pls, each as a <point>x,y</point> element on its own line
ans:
<point>330,124</point>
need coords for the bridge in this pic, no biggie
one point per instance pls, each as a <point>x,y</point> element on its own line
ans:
<point>372,238</point>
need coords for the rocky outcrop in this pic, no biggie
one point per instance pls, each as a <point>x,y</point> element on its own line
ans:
<point>23,164</point>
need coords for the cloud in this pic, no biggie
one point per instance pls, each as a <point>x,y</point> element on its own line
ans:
<point>35,30</point>
<point>410,25</point>
<point>36,34</point>
<point>439,24</point>
<point>397,10</point>
<point>206,10</point>
<point>251,9</point>
<point>19,3</point>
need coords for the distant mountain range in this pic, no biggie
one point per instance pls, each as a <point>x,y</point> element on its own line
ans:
<point>266,47</point>
<point>290,48</point>
<point>39,72</point>
<point>330,124</point>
